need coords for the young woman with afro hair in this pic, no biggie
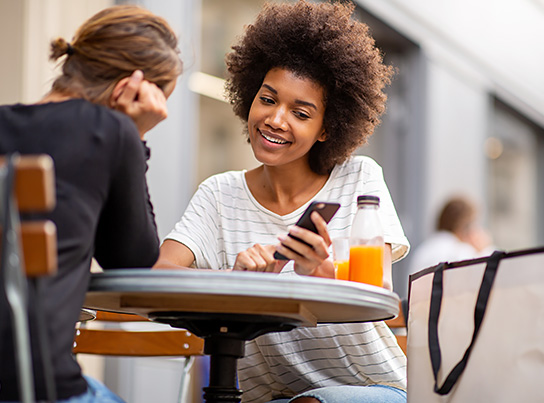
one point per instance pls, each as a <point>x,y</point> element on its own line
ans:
<point>308,80</point>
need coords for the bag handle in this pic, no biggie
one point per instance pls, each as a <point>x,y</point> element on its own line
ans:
<point>479,311</point>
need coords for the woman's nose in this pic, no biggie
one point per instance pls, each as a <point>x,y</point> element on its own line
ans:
<point>277,118</point>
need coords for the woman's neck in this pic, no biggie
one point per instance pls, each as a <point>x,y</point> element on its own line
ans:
<point>55,96</point>
<point>282,190</point>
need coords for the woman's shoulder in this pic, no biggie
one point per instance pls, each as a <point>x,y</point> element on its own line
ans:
<point>359,162</point>
<point>100,114</point>
<point>89,120</point>
<point>88,115</point>
<point>360,166</point>
<point>107,116</point>
<point>229,180</point>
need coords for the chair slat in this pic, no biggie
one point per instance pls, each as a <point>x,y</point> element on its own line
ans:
<point>34,183</point>
<point>35,192</point>
<point>177,343</point>
<point>119,317</point>
<point>39,239</point>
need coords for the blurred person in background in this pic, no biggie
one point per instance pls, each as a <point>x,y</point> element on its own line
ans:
<point>458,236</point>
<point>125,59</point>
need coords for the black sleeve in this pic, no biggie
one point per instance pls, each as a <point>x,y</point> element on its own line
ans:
<point>126,236</point>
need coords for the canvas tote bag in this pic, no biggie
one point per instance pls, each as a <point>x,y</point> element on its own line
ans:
<point>476,330</point>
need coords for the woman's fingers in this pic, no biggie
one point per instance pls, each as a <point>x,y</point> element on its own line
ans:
<point>258,258</point>
<point>127,90</point>
<point>321,226</point>
<point>309,250</point>
<point>312,242</point>
<point>142,100</point>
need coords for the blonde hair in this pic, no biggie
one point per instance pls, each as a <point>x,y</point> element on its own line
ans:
<point>110,46</point>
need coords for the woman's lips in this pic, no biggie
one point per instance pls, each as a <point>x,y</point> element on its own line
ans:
<point>273,139</point>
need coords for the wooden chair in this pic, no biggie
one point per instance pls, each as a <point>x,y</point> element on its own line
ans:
<point>106,335</point>
<point>34,192</point>
<point>28,250</point>
<point>114,334</point>
<point>398,327</point>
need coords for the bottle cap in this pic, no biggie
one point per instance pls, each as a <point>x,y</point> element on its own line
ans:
<point>366,199</point>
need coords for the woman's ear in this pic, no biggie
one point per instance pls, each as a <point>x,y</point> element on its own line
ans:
<point>117,90</point>
<point>324,136</point>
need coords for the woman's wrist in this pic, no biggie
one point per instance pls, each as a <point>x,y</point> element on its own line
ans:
<point>324,270</point>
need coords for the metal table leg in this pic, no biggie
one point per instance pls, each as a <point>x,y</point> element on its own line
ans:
<point>224,337</point>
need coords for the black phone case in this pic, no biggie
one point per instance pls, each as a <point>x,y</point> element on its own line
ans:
<point>327,210</point>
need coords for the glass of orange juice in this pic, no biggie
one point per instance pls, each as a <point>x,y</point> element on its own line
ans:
<point>366,264</point>
<point>340,252</point>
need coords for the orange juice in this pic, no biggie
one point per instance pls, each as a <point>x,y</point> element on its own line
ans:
<point>341,269</point>
<point>366,264</point>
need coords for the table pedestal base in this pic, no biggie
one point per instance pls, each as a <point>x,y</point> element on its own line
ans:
<point>224,341</point>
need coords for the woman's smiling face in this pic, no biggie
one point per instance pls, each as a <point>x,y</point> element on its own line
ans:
<point>286,118</point>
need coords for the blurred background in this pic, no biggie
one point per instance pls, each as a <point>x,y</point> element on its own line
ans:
<point>465,113</point>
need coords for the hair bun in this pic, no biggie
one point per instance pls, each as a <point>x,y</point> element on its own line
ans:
<point>59,47</point>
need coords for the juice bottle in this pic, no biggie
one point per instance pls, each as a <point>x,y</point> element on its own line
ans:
<point>367,243</point>
<point>367,263</point>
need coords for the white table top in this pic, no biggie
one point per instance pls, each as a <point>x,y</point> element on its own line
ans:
<point>307,300</point>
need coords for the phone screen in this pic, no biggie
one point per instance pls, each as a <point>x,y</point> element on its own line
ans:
<point>326,209</point>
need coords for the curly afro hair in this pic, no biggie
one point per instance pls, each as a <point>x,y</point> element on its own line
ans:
<point>323,43</point>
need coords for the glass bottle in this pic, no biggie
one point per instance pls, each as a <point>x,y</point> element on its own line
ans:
<point>367,243</point>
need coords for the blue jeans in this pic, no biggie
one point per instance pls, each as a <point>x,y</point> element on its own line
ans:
<point>97,392</point>
<point>353,394</point>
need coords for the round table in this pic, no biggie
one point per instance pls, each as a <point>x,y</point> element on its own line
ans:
<point>229,308</point>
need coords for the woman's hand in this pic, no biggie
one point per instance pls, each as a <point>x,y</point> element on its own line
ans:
<point>312,259</point>
<point>143,101</point>
<point>259,258</point>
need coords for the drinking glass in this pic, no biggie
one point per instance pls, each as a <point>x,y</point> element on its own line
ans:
<point>340,255</point>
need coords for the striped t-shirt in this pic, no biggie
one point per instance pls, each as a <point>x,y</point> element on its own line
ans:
<point>223,219</point>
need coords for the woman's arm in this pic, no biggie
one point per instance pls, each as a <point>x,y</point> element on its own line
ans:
<point>174,255</point>
<point>126,234</point>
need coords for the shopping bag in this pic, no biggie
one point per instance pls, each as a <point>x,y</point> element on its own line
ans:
<point>476,330</point>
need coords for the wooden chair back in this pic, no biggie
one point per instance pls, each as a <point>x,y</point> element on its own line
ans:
<point>34,191</point>
<point>28,249</point>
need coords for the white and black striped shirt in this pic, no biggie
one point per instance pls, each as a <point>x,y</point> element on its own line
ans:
<point>223,219</point>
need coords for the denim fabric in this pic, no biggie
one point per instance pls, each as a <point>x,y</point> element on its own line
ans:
<point>97,392</point>
<point>353,394</point>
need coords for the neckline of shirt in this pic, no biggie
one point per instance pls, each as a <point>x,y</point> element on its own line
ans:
<point>298,211</point>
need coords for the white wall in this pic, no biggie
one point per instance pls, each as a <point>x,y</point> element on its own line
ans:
<point>26,30</point>
<point>498,41</point>
<point>11,15</point>
<point>455,134</point>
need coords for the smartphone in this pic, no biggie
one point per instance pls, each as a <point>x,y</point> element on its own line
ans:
<point>326,209</point>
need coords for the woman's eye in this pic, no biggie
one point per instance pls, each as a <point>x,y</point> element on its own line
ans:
<point>301,115</point>
<point>267,100</point>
